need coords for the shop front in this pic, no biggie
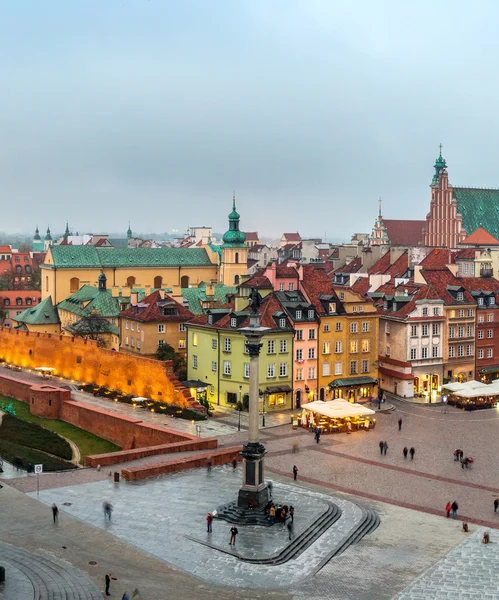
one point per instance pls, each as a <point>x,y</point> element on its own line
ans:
<point>427,385</point>
<point>277,397</point>
<point>488,374</point>
<point>354,389</point>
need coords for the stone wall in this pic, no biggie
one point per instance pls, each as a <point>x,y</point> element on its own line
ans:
<point>82,360</point>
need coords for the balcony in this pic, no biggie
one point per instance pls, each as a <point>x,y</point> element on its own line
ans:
<point>485,271</point>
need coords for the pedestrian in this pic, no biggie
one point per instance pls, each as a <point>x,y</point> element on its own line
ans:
<point>496,504</point>
<point>381,444</point>
<point>108,509</point>
<point>136,593</point>
<point>125,596</point>
<point>485,539</point>
<point>283,516</point>
<point>272,512</point>
<point>233,534</point>
<point>385,447</point>
<point>292,513</point>
<point>55,513</point>
<point>209,464</point>
<point>209,521</point>
<point>454,508</point>
<point>295,447</point>
<point>400,424</point>
<point>317,434</point>
<point>448,508</point>
<point>405,451</point>
<point>465,527</point>
<point>108,583</point>
<point>295,472</point>
<point>412,452</point>
<point>290,529</point>
<point>234,464</point>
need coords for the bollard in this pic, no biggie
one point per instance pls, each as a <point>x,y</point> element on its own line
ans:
<point>116,477</point>
<point>2,574</point>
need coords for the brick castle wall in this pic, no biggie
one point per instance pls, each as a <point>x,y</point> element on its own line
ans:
<point>82,360</point>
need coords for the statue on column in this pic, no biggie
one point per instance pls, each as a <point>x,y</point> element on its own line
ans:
<point>255,301</point>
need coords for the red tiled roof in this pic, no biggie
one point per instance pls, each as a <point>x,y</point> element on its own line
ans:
<point>465,254</point>
<point>257,281</point>
<point>5,249</point>
<point>335,253</point>
<point>251,235</point>
<point>315,282</point>
<point>292,237</point>
<point>256,248</point>
<point>404,233</point>
<point>352,267</point>
<point>269,306</point>
<point>283,271</point>
<point>438,258</point>
<point>13,295</point>
<point>380,266</point>
<point>148,310</point>
<point>361,286</point>
<point>440,279</point>
<point>481,237</point>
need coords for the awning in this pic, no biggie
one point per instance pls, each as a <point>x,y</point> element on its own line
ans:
<point>194,383</point>
<point>338,409</point>
<point>278,389</point>
<point>490,369</point>
<point>352,381</point>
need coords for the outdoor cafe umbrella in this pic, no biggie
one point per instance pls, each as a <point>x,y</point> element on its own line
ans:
<point>304,417</point>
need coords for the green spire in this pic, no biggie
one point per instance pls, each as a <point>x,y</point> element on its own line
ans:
<point>439,165</point>
<point>66,233</point>
<point>37,235</point>
<point>48,237</point>
<point>234,237</point>
<point>129,231</point>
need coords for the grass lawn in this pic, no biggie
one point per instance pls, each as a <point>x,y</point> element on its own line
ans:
<point>87,442</point>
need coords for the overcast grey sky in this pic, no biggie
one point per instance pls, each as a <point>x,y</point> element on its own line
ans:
<point>154,110</point>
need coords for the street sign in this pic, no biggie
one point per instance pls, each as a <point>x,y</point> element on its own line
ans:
<point>38,469</point>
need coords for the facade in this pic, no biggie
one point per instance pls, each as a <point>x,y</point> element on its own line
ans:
<point>15,302</point>
<point>154,321</point>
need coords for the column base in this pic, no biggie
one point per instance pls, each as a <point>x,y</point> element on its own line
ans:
<point>258,497</point>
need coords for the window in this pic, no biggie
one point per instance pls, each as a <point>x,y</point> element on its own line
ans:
<point>233,322</point>
<point>469,350</point>
<point>194,339</point>
<point>436,311</point>
<point>326,369</point>
<point>489,333</point>
<point>332,307</point>
<point>310,314</point>
<point>226,367</point>
<point>246,370</point>
<point>281,287</point>
<point>452,351</point>
<point>270,370</point>
<point>470,312</point>
<point>480,353</point>
<point>133,342</point>
<point>161,343</point>
<point>481,334</point>
<point>298,314</point>
<point>490,318</point>
<point>326,348</point>
<point>161,329</point>
<point>387,328</point>
<point>214,344</point>
<point>326,327</point>
<point>194,361</point>
<point>365,345</point>
<point>460,296</point>
<point>365,366</point>
<point>489,353</point>
<point>181,327</point>
<point>338,326</point>
<point>184,281</point>
<point>480,301</point>
<point>460,332</point>
<point>424,329</point>
<point>354,347</point>
<point>138,343</point>
<point>299,334</point>
<point>414,353</point>
<point>353,367</point>
<point>355,309</point>
<point>6,301</point>
<point>311,373</point>
<point>271,347</point>
<point>365,326</point>
<point>452,332</point>
<point>311,353</point>
<point>74,285</point>
<point>465,268</point>
<point>138,326</point>
<point>132,326</point>
<point>338,347</point>
<point>227,344</point>
<point>181,344</point>
<point>461,313</point>
<point>434,352</point>
<point>213,365</point>
<point>282,323</point>
<point>387,351</point>
<point>130,282</point>
<point>414,330</point>
<point>460,350</point>
<point>283,369</point>
<point>299,374</point>
<point>492,300</point>
<point>283,346</point>
<point>311,334</point>
<point>236,258</point>
<point>354,327</point>
<point>19,301</point>
<point>291,287</point>
<point>299,354</point>
<point>435,329</point>
<point>424,352</point>
<point>342,296</point>
<point>158,282</point>
<point>338,368</point>
<point>470,330</point>
<point>425,311</point>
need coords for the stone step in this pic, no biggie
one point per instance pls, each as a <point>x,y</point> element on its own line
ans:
<point>367,525</point>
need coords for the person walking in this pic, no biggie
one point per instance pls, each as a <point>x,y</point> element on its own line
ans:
<point>108,509</point>
<point>234,464</point>
<point>55,513</point>
<point>233,534</point>
<point>209,464</point>
<point>454,507</point>
<point>317,434</point>
<point>496,504</point>
<point>385,447</point>
<point>295,472</point>
<point>292,513</point>
<point>381,444</point>
<point>136,593</point>
<point>400,424</point>
<point>125,596</point>
<point>290,529</point>
<point>412,452</point>
<point>108,583</point>
<point>209,521</point>
<point>405,451</point>
<point>272,512</point>
<point>448,508</point>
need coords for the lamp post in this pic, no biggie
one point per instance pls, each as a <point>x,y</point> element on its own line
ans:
<point>239,407</point>
<point>254,488</point>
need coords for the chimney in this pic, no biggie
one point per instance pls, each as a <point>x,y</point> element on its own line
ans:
<point>299,268</point>
<point>134,297</point>
<point>162,294</point>
<point>210,289</point>
<point>176,291</point>
<point>115,292</point>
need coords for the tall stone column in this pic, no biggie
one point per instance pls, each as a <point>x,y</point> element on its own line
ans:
<point>254,488</point>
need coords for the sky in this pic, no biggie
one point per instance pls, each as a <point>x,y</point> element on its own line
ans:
<point>154,111</point>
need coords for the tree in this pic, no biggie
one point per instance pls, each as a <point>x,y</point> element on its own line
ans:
<point>91,328</point>
<point>25,248</point>
<point>7,281</point>
<point>35,282</point>
<point>167,352</point>
<point>3,315</point>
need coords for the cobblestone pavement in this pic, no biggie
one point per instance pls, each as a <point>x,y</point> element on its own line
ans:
<point>468,572</point>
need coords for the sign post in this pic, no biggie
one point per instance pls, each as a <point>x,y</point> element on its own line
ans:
<point>38,471</point>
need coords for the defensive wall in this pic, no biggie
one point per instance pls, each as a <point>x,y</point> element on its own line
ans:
<point>83,360</point>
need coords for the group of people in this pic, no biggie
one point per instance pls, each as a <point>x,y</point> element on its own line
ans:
<point>465,461</point>
<point>451,508</point>
<point>279,514</point>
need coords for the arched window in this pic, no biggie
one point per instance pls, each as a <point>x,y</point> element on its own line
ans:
<point>19,269</point>
<point>28,301</point>
<point>130,281</point>
<point>184,281</point>
<point>74,284</point>
<point>27,268</point>
<point>236,280</point>
<point>6,301</point>
<point>19,301</point>
<point>236,259</point>
<point>158,281</point>
<point>321,394</point>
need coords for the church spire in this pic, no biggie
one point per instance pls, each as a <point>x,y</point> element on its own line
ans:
<point>66,233</point>
<point>48,237</point>
<point>129,231</point>
<point>439,166</point>
<point>234,237</point>
<point>37,235</point>
<point>379,209</point>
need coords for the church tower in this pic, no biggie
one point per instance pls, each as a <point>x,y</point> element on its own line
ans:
<point>379,235</point>
<point>234,251</point>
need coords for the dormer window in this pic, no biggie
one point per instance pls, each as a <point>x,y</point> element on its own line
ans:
<point>480,301</point>
<point>425,312</point>
<point>233,322</point>
<point>332,307</point>
<point>282,323</point>
<point>492,300</point>
<point>210,319</point>
<point>385,305</point>
<point>460,296</point>
<point>28,301</point>
<point>394,307</point>
<point>310,314</point>
<point>6,301</point>
<point>298,314</point>
<point>19,301</point>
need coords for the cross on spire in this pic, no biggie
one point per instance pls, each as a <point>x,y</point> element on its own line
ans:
<point>379,203</point>
<point>440,149</point>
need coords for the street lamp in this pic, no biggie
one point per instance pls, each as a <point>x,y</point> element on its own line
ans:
<point>263,410</point>
<point>239,407</point>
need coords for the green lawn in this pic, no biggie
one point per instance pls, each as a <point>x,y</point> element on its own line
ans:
<point>87,442</point>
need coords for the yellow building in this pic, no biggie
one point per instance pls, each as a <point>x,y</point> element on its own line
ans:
<point>68,268</point>
<point>234,260</point>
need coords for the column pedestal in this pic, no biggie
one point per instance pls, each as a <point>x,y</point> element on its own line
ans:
<point>254,488</point>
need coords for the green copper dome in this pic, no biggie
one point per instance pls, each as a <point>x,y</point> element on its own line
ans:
<point>234,237</point>
<point>439,165</point>
<point>37,235</point>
